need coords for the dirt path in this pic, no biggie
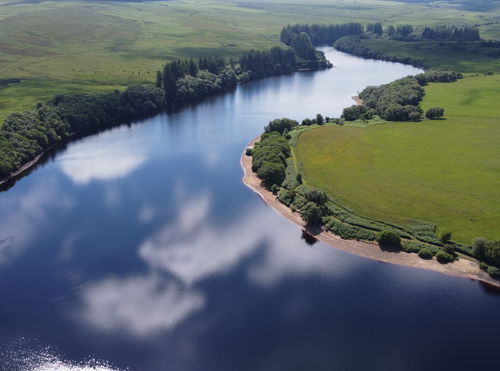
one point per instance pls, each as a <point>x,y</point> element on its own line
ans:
<point>461,268</point>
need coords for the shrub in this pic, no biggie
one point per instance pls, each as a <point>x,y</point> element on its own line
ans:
<point>349,232</point>
<point>414,116</point>
<point>275,188</point>
<point>389,240</point>
<point>285,196</point>
<point>434,113</point>
<point>425,253</point>
<point>249,152</point>
<point>494,272</point>
<point>444,258</point>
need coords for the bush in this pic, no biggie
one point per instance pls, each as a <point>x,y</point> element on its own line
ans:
<point>249,152</point>
<point>434,113</point>
<point>425,253</point>
<point>349,232</point>
<point>444,258</point>
<point>286,197</point>
<point>494,272</point>
<point>414,116</point>
<point>389,240</point>
<point>275,188</point>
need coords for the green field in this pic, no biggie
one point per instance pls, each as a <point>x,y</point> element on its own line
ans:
<point>445,172</point>
<point>68,46</point>
<point>446,56</point>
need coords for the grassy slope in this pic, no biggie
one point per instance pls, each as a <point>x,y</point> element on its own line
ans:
<point>444,171</point>
<point>445,56</point>
<point>66,46</point>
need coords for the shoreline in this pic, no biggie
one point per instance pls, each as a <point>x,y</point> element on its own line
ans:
<point>370,250</point>
<point>357,100</point>
<point>22,169</point>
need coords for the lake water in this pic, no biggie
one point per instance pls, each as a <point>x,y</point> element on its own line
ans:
<point>139,248</point>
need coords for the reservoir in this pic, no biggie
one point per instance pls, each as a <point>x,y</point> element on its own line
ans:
<point>139,248</point>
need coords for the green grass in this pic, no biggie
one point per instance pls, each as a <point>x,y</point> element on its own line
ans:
<point>445,172</point>
<point>448,56</point>
<point>61,45</point>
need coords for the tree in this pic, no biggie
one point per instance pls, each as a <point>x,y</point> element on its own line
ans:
<point>445,237</point>
<point>311,213</point>
<point>479,247</point>
<point>434,113</point>
<point>303,47</point>
<point>319,119</point>
<point>159,80</point>
<point>271,173</point>
<point>317,196</point>
<point>280,125</point>
<point>389,240</point>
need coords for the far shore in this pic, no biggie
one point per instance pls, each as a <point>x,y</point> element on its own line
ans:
<point>462,268</point>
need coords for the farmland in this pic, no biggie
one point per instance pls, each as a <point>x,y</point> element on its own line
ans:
<point>444,171</point>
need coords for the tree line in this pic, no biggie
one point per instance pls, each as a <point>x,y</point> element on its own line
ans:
<point>25,135</point>
<point>321,34</point>
<point>185,79</point>
<point>447,33</point>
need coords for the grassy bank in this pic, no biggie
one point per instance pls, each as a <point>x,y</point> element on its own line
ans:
<point>64,47</point>
<point>444,56</point>
<point>444,172</point>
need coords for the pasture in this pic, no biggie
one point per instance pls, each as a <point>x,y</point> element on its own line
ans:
<point>444,171</point>
<point>67,46</point>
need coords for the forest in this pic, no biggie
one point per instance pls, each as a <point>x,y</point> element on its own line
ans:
<point>190,78</point>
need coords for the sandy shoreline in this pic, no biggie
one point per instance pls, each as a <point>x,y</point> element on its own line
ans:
<point>23,168</point>
<point>461,268</point>
<point>358,100</point>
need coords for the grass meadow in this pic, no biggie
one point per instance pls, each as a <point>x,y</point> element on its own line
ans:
<point>443,171</point>
<point>67,46</point>
<point>447,56</point>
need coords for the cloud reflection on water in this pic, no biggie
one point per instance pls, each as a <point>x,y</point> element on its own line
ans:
<point>28,214</point>
<point>190,249</point>
<point>110,156</point>
<point>140,305</point>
